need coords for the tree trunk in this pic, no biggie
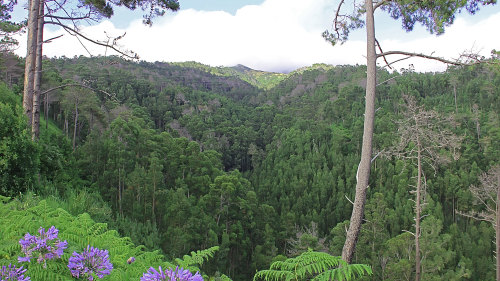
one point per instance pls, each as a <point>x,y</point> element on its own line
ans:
<point>417,211</point>
<point>75,125</point>
<point>122,187</point>
<point>120,191</point>
<point>66,125</point>
<point>46,111</point>
<point>363,173</point>
<point>475,110</point>
<point>455,94</point>
<point>35,126</point>
<point>154,191</point>
<point>29,68</point>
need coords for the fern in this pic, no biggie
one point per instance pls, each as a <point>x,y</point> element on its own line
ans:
<point>19,217</point>
<point>316,266</point>
<point>197,258</point>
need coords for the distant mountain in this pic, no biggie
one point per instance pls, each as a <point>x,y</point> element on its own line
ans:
<point>260,79</point>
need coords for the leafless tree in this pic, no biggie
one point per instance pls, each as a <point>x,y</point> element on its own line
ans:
<point>423,137</point>
<point>487,195</point>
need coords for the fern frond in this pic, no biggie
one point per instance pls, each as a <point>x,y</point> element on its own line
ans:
<point>313,266</point>
<point>19,217</point>
<point>346,273</point>
<point>197,258</point>
<point>273,275</point>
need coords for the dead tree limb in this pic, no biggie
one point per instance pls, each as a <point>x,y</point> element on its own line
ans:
<point>77,85</point>
<point>130,55</point>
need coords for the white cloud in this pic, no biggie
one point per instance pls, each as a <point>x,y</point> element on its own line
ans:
<point>275,36</point>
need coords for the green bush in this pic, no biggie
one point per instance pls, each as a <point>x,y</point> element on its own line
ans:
<point>19,156</point>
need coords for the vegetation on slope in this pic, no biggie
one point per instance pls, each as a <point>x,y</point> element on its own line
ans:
<point>180,165</point>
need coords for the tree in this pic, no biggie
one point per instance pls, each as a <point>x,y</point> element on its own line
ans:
<point>59,14</point>
<point>7,27</point>
<point>423,136</point>
<point>156,177</point>
<point>488,195</point>
<point>435,16</point>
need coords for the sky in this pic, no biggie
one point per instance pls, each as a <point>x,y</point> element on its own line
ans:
<point>271,35</point>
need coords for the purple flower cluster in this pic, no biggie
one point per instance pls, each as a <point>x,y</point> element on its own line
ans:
<point>89,264</point>
<point>43,247</point>
<point>12,273</point>
<point>179,274</point>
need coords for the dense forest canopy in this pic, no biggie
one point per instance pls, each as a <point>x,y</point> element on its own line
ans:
<point>183,157</point>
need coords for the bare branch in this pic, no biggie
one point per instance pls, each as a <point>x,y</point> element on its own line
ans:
<point>77,85</point>
<point>349,199</point>
<point>131,55</point>
<point>69,17</point>
<point>409,54</point>
<point>53,38</point>
<point>387,80</point>
<point>375,157</point>
<point>336,21</point>
<point>475,216</point>
<point>380,48</point>
<point>409,232</point>
<point>398,60</point>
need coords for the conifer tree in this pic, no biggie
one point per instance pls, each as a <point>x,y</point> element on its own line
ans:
<point>488,195</point>
<point>435,16</point>
<point>60,14</point>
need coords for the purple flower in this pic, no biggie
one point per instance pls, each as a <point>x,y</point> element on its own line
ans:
<point>43,247</point>
<point>91,263</point>
<point>12,273</point>
<point>179,274</point>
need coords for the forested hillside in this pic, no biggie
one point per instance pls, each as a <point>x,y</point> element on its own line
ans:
<point>184,157</point>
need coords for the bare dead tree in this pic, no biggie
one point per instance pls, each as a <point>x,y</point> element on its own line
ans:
<point>423,136</point>
<point>487,195</point>
<point>297,245</point>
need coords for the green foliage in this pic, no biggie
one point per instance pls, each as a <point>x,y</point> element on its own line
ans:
<point>197,258</point>
<point>260,79</point>
<point>156,159</point>
<point>19,156</point>
<point>7,27</point>
<point>434,15</point>
<point>18,218</point>
<point>313,266</point>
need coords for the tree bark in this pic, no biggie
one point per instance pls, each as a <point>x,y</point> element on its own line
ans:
<point>154,199</point>
<point>455,95</point>
<point>75,125</point>
<point>46,111</point>
<point>363,173</point>
<point>29,68</point>
<point>35,125</point>
<point>120,191</point>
